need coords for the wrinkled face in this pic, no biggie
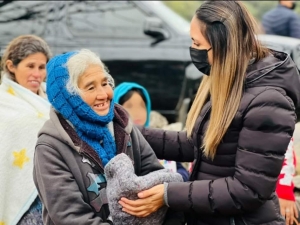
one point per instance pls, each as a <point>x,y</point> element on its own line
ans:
<point>198,40</point>
<point>95,90</point>
<point>30,72</point>
<point>136,108</point>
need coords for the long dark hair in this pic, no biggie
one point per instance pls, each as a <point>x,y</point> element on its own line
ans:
<point>231,31</point>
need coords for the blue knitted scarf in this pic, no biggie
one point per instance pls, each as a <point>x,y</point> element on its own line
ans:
<point>90,127</point>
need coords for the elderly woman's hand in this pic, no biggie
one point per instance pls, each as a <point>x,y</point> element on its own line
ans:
<point>150,201</point>
<point>288,210</point>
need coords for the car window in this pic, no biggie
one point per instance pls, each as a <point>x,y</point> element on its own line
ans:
<point>173,19</point>
<point>111,19</point>
<point>22,17</point>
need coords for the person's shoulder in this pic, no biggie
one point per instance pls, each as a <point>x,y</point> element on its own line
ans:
<point>269,17</point>
<point>120,111</point>
<point>294,15</point>
<point>56,132</point>
<point>49,134</point>
<point>121,116</point>
<point>286,12</point>
<point>271,11</point>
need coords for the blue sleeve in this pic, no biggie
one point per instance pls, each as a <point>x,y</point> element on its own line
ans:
<point>295,26</point>
<point>182,171</point>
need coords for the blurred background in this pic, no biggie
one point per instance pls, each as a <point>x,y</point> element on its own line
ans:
<point>187,8</point>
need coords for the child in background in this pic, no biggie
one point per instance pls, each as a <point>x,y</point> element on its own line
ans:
<point>136,100</point>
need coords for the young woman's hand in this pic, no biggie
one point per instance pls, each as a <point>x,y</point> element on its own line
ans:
<point>288,210</point>
<point>150,201</point>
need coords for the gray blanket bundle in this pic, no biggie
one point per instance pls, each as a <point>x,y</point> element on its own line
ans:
<point>122,182</point>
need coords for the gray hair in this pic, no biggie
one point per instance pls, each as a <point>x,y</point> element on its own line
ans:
<point>20,48</point>
<point>78,63</point>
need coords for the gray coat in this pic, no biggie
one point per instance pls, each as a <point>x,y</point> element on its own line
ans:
<point>68,173</point>
<point>239,184</point>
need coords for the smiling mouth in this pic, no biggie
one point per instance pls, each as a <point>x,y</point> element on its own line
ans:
<point>101,106</point>
<point>34,82</point>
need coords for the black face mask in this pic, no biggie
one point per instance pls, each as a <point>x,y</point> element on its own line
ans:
<point>200,60</point>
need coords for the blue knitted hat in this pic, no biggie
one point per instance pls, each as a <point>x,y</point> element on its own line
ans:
<point>89,126</point>
<point>125,87</point>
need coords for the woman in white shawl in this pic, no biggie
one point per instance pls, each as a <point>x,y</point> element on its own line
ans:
<point>23,110</point>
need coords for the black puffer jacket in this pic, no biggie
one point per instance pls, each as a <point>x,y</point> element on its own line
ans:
<point>239,184</point>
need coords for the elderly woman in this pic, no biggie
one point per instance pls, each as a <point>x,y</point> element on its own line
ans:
<point>86,129</point>
<point>23,111</point>
<point>238,128</point>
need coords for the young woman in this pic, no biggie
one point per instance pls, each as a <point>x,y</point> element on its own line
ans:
<point>23,111</point>
<point>238,128</point>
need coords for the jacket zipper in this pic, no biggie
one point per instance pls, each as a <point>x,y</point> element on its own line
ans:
<point>97,165</point>
<point>200,154</point>
<point>198,149</point>
<point>125,147</point>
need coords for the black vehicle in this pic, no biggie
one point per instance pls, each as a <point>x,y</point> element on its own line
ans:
<point>139,41</point>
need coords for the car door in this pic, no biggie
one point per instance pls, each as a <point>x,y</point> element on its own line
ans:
<point>19,18</point>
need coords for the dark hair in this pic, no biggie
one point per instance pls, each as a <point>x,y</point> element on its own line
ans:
<point>21,47</point>
<point>128,95</point>
<point>223,21</point>
<point>231,32</point>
